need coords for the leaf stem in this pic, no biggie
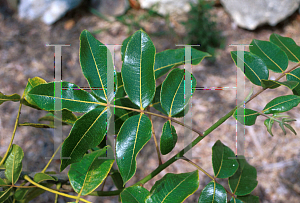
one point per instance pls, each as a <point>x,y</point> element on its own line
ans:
<point>43,171</point>
<point>26,177</point>
<point>14,132</point>
<point>155,141</point>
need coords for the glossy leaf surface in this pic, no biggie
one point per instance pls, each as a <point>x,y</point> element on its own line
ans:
<point>87,132</point>
<point>272,84</point>
<point>168,59</point>
<point>67,117</point>
<point>138,69</point>
<point>94,58</point>
<point>172,92</point>
<point>72,98</point>
<point>124,47</point>
<point>122,114</point>
<point>254,67</point>
<point>288,45</point>
<point>134,194</point>
<point>244,180</point>
<point>294,75</point>
<point>32,82</point>
<point>246,116</point>
<point>174,188</point>
<point>282,104</point>
<point>13,164</point>
<point>157,105</point>
<point>86,175</point>
<point>133,135</point>
<point>168,138</point>
<point>223,166</point>
<point>274,58</point>
<point>214,193</point>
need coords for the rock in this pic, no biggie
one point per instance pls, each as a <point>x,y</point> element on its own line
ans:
<point>165,7</point>
<point>250,14</point>
<point>48,10</point>
<point>111,7</point>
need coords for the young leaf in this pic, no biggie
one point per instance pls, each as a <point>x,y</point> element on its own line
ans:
<point>281,126</point>
<point>13,97</point>
<point>72,97</point>
<point>168,59</point>
<point>37,125</point>
<point>94,58</point>
<point>213,192</point>
<point>134,194</point>
<point>13,164</point>
<point>168,138</point>
<point>282,104</point>
<point>138,69</point>
<point>172,92</point>
<point>67,117</point>
<point>174,188</point>
<point>244,180</point>
<point>32,82</point>
<point>274,58</point>
<point>86,175</point>
<point>272,84</point>
<point>223,166</point>
<point>269,123</point>
<point>288,45</point>
<point>87,132</point>
<point>290,127</point>
<point>134,134</point>
<point>254,67</point>
<point>246,116</point>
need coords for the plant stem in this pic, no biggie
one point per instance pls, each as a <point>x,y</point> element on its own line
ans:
<point>155,141</point>
<point>53,191</point>
<point>43,171</point>
<point>14,132</point>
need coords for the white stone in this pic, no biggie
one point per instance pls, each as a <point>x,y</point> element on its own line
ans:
<point>165,7</point>
<point>250,14</point>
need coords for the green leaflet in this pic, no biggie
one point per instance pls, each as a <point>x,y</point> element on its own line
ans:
<point>124,47</point>
<point>272,84</point>
<point>172,92</point>
<point>214,193</point>
<point>86,175</point>
<point>13,164</point>
<point>157,105</point>
<point>96,62</point>
<point>134,194</point>
<point>120,87</point>
<point>274,58</point>
<point>254,67</point>
<point>168,138</point>
<point>137,69</point>
<point>168,59</point>
<point>245,199</point>
<point>282,104</point>
<point>13,97</point>
<point>223,166</point>
<point>32,82</point>
<point>134,134</point>
<point>246,116</point>
<point>294,75</point>
<point>174,188</point>
<point>122,114</point>
<point>244,180</point>
<point>87,132</point>
<point>72,97</point>
<point>288,45</point>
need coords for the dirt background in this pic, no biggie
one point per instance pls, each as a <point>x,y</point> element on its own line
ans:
<point>24,54</point>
